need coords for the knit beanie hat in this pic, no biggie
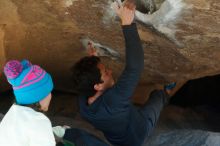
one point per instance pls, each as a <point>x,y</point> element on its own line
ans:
<point>30,82</point>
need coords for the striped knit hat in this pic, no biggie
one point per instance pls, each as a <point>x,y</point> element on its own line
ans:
<point>30,82</point>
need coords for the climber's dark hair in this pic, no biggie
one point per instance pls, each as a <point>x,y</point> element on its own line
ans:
<point>85,75</point>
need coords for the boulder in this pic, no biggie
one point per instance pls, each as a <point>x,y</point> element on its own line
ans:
<point>48,33</point>
<point>2,56</point>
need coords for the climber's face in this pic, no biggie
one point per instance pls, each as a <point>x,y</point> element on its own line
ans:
<point>106,77</point>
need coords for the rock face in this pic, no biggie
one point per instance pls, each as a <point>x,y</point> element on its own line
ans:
<point>49,32</point>
<point>2,54</point>
<point>184,126</point>
<point>185,137</point>
<point>194,28</point>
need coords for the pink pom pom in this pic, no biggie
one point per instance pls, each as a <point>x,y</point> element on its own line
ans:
<point>13,69</point>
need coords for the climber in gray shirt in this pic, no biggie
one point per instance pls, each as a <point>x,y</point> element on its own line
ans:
<point>107,105</point>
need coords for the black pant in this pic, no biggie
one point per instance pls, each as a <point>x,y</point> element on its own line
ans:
<point>82,138</point>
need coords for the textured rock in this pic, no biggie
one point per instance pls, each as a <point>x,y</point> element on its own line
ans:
<point>184,126</point>
<point>49,32</point>
<point>2,55</point>
<point>184,137</point>
<point>194,27</point>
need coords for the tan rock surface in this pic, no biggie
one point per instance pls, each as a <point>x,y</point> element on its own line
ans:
<point>48,33</point>
<point>2,55</point>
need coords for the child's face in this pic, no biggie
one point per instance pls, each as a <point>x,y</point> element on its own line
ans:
<point>45,103</point>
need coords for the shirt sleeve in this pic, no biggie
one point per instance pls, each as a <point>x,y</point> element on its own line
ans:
<point>134,65</point>
<point>41,133</point>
